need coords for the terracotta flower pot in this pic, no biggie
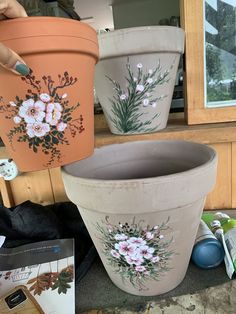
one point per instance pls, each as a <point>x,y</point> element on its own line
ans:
<point>142,203</point>
<point>46,118</point>
<point>135,77</point>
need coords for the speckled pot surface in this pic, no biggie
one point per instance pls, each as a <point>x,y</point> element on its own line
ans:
<point>135,77</point>
<point>142,203</point>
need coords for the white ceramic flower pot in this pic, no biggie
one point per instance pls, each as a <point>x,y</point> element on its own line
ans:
<point>135,77</point>
<point>142,203</point>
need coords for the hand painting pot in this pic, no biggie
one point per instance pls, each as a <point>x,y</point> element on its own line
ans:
<point>46,118</point>
<point>135,78</point>
<point>142,203</point>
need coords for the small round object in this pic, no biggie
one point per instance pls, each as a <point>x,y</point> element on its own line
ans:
<point>8,169</point>
<point>208,253</point>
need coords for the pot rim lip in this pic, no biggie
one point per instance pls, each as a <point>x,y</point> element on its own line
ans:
<point>141,28</point>
<point>150,180</point>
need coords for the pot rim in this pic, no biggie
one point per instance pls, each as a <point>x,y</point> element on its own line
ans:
<point>151,180</point>
<point>90,35</point>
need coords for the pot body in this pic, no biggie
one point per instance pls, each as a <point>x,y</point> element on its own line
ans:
<point>135,77</point>
<point>142,203</point>
<point>47,116</point>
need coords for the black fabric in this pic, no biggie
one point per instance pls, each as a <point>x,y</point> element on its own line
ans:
<point>30,222</point>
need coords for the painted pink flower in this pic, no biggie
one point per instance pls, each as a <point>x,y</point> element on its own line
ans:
<point>136,241</point>
<point>155,259</point>
<point>37,129</point>
<point>17,119</point>
<point>53,114</point>
<point>146,251</point>
<point>45,97</point>
<point>139,88</point>
<point>140,268</point>
<point>134,260</point>
<point>125,248</point>
<point>115,254</point>
<point>149,235</point>
<point>120,237</point>
<point>32,111</point>
<point>61,126</point>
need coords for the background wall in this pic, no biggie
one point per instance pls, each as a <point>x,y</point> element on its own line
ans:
<point>143,12</point>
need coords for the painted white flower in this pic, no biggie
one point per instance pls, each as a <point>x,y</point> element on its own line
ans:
<point>37,129</point>
<point>115,254</point>
<point>120,237</point>
<point>139,65</point>
<point>17,119</point>
<point>53,114</point>
<point>155,227</point>
<point>123,97</point>
<point>161,236</point>
<point>154,104</point>
<point>145,102</point>
<point>45,97</point>
<point>149,235</point>
<point>61,126</point>
<point>134,260</point>
<point>32,111</point>
<point>64,96</point>
<point>136,241</point>
<point>150,71</point>
<point>12,103</point>
<point>140,268</point>
<point>139,88</point>
<point>155,259</point>
<point>125,248</point>
<point>146,251</point>
<point>135,79</point>
<point>150,80</point>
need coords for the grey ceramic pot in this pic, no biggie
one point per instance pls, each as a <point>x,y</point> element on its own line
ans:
<point>135,77</point>
<point>142,203</point>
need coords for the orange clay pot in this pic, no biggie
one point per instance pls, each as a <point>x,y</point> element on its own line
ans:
<point>46,118</point>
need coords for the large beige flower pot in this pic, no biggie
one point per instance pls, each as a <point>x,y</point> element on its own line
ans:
<point>135,77</point>
<point>142,203</point>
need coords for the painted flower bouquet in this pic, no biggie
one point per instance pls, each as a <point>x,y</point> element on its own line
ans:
<point>136,253</point>
<point>130,106</point>
<point>44,115</point>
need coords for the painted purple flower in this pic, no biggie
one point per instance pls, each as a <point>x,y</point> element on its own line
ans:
<point>139,65</point>
<point>53,113</point>
<point>120,237</point>
<point>140,269</point>
<point>115,254</point>
<point>45,97</point>
<point>61,126</point>
<point>149,235</point>
<point>136,241</point>
<point>17,119</point>
<point>134,260</point>
<point>32,111</point>
<point>125,248</point>
<point>139,88</point>
<point>155,259</point>
<point>37,129</point>
<point>146,251</point>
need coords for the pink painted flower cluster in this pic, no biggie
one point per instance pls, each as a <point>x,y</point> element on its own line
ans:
<point>40,115</point>
<point>135,250</point>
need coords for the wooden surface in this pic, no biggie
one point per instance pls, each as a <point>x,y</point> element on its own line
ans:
<point>196,112</point>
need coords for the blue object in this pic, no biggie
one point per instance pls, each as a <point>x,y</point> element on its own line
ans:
<point>208,253</point>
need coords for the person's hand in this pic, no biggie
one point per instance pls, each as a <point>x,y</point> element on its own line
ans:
<point>8,58</point>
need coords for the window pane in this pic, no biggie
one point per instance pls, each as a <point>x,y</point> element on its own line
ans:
<point>220,53</point>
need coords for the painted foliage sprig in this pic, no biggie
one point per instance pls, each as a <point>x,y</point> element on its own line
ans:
<point>137,254</point>
<point>128,105</point>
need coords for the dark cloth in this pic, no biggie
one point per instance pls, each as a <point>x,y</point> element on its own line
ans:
<point>30,222</point>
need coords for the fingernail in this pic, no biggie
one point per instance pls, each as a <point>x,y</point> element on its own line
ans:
<point>22,68</point>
